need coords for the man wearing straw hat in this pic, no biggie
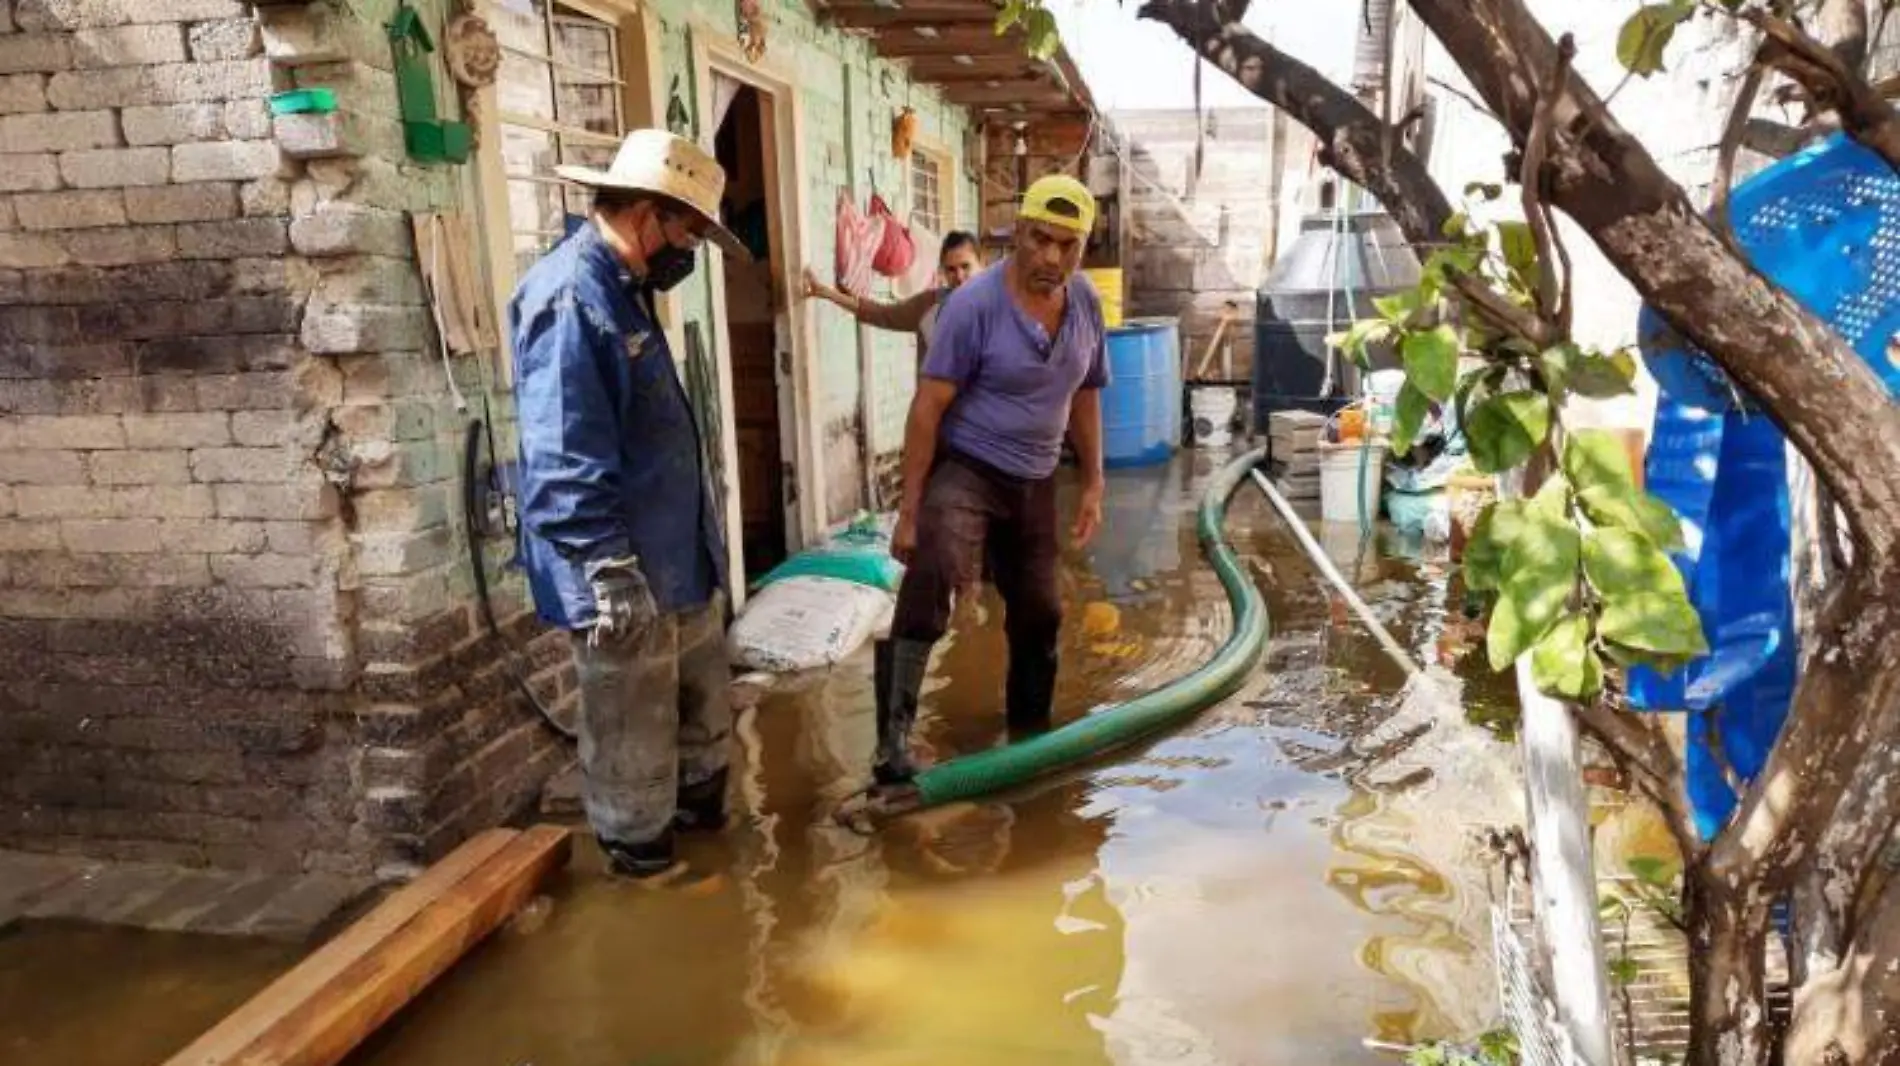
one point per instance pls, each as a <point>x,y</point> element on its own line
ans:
<point>1016,367</point>
<point>621,533</point>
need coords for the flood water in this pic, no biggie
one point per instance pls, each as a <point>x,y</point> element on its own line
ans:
<point>1218,898</point>
<point>1207,901</point>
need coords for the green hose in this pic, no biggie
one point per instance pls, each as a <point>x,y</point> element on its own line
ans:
<point>1123,724</point>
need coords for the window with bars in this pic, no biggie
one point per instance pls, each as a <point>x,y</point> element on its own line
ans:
<point>561,101</point>
<point>927,184</point>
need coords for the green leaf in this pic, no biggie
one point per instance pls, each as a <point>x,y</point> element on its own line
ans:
<point>1397,308</point>
<point>1624,972</point>
<point>1564,665</point>
<point>1039,27</point>
<point>1646,36</point>
<point>1652,871</point>
<point>1595,457</point>
<point>1355,340</point>
<point>1555,363</point>
<point>1504,430</point>
<point>1612,907</point>
<point>1458,225</point>
<point>1621,563</point>
<point>1498,1048</point>
<point>1010,15</point>
<point>1540,575</point>
<point>1483,190</point>
<point>1490,540</point>
<point>1553,500</point>
<point>1413,408</point>
<point>1635,511</point>
<point>1519,247</point>
<point>1654,623</point>
<point>1431,362</point>
<point>1602,377</point>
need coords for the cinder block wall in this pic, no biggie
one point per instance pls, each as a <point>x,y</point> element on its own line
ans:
<point>236,623</point>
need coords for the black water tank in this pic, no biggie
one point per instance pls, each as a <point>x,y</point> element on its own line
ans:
<point>1325,282</point>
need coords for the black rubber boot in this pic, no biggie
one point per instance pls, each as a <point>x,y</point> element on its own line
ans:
<point>642,862</point>
<point>899,670</point>
<point>1030,694</point>
<point>702,807</point>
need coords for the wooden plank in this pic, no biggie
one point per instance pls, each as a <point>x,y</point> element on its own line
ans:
<point>1007,94</point>
<point>904,42</point>
<point>316,1015</point>
<point>972,68</point>
<point>929,12</point>
<point>873,18</point>
<point>263,1010</point>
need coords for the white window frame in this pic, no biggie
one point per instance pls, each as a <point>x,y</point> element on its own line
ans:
<point>945,163</point>
<point>640,68</point>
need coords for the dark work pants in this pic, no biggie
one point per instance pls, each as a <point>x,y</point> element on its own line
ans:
<point>971,515</point>
<point>654,717</point>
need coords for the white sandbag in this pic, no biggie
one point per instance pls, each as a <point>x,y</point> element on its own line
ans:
<point>803,623</point>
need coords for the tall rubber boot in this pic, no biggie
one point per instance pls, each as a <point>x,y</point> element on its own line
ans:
<point>702,808</point>
<point>1030,693</point>
<point>899,667</point>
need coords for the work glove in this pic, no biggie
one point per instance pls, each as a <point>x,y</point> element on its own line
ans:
<point>624,607</point>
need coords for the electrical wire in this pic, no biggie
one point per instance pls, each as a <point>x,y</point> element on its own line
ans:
<point>478,566</point>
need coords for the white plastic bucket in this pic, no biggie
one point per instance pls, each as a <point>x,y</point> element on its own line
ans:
<point>1213,411</point>
<point>1341,496</point>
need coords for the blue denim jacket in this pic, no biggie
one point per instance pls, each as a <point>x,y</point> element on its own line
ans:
<point>610,452</point>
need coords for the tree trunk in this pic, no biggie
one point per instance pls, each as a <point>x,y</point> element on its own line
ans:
<point>1847,1016</point>
<point>1728,1021</point>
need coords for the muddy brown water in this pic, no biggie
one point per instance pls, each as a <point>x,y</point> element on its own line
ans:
<point>1212,899</point>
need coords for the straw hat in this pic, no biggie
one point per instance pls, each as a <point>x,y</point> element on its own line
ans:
<point>659,162</point>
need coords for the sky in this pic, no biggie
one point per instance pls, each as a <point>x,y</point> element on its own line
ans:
<point>1131,65</point>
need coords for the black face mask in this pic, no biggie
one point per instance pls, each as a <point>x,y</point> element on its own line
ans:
<point>669,266</point>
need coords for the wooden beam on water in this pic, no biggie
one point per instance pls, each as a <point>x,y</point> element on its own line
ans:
<point>316,1014</point>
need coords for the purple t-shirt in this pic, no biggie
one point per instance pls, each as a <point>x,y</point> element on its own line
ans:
<point>1014,386</point>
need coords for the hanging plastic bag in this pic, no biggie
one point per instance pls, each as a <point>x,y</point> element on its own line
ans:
<point>896,251</point>
<point>859,237</point>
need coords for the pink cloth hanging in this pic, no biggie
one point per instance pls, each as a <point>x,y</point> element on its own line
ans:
<point>859,238</point>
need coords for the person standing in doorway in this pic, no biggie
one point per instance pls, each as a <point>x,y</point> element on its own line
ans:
<point>958,260</point>
<point>620,530</point>
<point>1017,365</point>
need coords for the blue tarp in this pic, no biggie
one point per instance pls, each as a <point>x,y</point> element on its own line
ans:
<point>1824,225</point>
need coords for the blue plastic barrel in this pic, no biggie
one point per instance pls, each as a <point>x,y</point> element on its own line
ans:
<point>1141,408</point>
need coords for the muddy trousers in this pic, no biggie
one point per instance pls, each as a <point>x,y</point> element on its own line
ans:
<point>972,514</point>
<point>655,718</point>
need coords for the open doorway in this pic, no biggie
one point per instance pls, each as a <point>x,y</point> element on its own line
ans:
<point>760,393</point>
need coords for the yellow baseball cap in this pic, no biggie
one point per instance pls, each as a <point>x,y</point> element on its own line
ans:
<point>1060,200</point>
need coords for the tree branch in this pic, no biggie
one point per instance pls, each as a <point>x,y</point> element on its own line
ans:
<point>1774,139</point>
<point>1643,753</point>
<point>1605,179</point>
<point>1732,137</point>
<point>1831,84</point>
<point>1552,302</point>
<point>1352,140</point>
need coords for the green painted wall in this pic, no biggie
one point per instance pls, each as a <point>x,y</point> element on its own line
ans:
<point>849,98</point>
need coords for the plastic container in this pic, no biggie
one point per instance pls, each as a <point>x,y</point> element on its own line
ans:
<point>1352,424</point>
<point>1213,410</point>
<point>1108,285</point>
<point>1343,496</point>
<point>1141,408</point>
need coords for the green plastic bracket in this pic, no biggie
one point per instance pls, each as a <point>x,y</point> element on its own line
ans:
<point>426,135</point>
<point>315,101</point>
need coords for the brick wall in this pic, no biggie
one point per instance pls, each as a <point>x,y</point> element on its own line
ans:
<point>1198,242</point>
<point>237,618</point>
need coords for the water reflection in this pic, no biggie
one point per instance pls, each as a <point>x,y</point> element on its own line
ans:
<point>1223,897</point>
<point>1208,900</point>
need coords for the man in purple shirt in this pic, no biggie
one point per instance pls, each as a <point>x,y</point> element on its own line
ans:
<point>1016,366</point>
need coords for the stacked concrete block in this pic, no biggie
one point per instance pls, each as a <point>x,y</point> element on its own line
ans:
<point>233,584</point>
